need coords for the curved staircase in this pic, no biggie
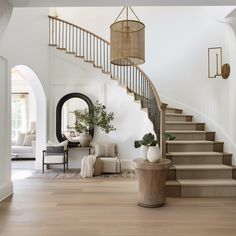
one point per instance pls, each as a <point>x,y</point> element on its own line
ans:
<point>200,168</point>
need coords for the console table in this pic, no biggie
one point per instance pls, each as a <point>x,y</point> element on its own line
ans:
<point>81,149</point>
<point>152,178</point>
<point>76,155</point>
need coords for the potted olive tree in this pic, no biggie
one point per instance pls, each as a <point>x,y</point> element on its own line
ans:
<point>98,116</point>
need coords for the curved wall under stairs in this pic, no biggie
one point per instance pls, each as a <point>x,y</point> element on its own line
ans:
<point>70,74</point>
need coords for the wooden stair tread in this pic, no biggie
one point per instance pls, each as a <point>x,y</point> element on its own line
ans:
<point>207,182</point>
<point>195,153</point>
<point>183,122</point>
<point>173,108</point>
<point>172,182</point>
<point>189,142</point>
<point>187,131</point>
<point>176,114</point>
<point>203,167</point>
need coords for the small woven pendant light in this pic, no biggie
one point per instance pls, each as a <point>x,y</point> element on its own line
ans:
<point>127,41</point>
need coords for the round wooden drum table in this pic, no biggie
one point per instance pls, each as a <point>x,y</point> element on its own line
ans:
<point>152,178</point>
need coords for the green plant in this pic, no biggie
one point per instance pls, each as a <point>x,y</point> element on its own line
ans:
<point>97,116</point>
<point>169,136</point>
<point>147,140</point>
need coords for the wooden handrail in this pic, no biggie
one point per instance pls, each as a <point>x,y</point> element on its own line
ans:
<point>69,23</point>
<point>94,49</point>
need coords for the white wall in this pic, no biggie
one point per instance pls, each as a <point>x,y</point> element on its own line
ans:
<point>6,187</point>
<point>25,43</point>
<point>177,39</point>
<point>176,61</point>
<point>5,15</point>
<point>70,74</point>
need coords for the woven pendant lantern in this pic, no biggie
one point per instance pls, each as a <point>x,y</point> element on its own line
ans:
<point>127,41</point>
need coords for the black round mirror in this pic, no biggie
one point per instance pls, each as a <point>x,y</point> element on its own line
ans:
<point>65,117</point>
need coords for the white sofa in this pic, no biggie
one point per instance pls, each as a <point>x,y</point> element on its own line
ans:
<point>24,145</point>
<point>22,151</point>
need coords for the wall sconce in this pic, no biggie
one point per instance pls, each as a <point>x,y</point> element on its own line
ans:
<point>220,70</point>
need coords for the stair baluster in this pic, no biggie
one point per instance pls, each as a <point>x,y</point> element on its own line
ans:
<point>92,48</point>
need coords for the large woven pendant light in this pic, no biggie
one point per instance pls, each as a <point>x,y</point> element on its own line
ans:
<point>127,41</point>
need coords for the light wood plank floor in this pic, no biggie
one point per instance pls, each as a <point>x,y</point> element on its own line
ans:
<point>75,207</point>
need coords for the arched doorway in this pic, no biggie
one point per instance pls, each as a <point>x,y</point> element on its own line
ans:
<point>40,116</point>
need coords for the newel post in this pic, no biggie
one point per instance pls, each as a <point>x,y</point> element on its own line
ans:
<point>162,130</point>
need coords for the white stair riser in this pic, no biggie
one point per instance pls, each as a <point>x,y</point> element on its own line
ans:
<point>208,191</point>
<point>204,174</point>
<point>189,160</point>
<point>190,147</point>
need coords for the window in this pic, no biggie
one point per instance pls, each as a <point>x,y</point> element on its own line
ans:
<point>19,114</point>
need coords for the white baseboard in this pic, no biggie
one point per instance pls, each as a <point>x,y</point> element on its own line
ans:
<point>127,164</point>
<point>6,190</point>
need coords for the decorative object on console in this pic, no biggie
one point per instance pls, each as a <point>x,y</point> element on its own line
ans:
<point>98,117</point>
<point>85,139</point>
<point>127,40</point>
<point>147,141</point>
<point>220,68</point>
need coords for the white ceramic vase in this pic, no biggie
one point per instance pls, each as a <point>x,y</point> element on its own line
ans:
<point>144,150</point>
<point>154,154</point>
<point>85,139</point>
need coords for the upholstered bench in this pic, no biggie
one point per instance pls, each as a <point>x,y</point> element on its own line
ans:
<point>107,154</point>
<point>98,165</point>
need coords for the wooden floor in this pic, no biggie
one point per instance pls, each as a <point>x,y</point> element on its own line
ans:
<point>75,207</point>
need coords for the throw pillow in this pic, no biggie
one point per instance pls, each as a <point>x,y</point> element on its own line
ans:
<point>20,138</point>
<point>33,127</point>
<point>50,143</point>
<point>104,150</point>
<point>64,144</point>
<point>28,139</point>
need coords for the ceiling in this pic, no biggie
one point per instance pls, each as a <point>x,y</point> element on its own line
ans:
<point>74,3</point>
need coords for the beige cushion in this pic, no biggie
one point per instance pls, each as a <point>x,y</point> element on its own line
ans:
<point>28,139</point>
<point>97,167</point>
<point>104,150</point>
<point>33,127</point>
<point>110,164</point>
<point>20,138</point>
